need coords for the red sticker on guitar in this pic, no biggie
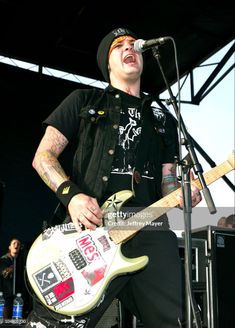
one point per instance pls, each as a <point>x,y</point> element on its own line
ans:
<point>94,275</point>
<point>64,289</point>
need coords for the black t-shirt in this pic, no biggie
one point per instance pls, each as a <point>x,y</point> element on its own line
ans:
<point>124,162</point>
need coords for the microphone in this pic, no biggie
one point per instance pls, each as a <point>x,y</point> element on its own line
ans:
<point>142,45</point>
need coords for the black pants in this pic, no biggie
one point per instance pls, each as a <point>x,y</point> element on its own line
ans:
<point>153,294</point>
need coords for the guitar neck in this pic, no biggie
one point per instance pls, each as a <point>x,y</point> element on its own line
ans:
<point>144,217</point>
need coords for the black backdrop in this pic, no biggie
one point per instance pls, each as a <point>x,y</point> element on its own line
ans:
<point>65,35</point>
<point>26,99</point>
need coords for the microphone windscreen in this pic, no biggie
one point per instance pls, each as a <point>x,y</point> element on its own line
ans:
<point>138,45</point>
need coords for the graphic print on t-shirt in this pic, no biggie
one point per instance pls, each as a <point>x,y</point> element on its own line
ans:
<point>129,135</point>
<point>160,120</point>
<point>124,160</point>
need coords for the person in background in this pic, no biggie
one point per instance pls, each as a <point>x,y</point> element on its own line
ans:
<point>221,222</point>
<point>123,141</point>
<point>7,267</point>
<point>227,222</point>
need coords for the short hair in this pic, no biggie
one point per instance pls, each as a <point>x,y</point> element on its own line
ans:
<point>230,220</point>
<point>227,222</point>
<point>14,238</point>
<point>221,222</point>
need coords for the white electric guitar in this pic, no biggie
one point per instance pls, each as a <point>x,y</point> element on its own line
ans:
<point>70,271</point>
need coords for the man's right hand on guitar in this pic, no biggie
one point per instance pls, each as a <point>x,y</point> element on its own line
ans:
<point>85,211</point>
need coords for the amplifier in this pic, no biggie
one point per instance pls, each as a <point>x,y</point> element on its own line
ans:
<point>119,317</point>
<point>220,253</point>
<point>198,257</point>
<point>199,268</point>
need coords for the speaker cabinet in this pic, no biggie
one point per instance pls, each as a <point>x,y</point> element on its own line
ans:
<point>213,281</point>
<point>199,284</point>
<point>220,253</point>
<point>198,253</point>
<point>198,259</point>
<point>111,317</point>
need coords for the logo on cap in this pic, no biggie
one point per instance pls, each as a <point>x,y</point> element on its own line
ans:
<point>120,31</point>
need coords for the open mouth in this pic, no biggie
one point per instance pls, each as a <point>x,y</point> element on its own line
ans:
<point>129,59</point>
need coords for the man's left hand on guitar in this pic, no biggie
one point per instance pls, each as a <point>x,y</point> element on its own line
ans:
<point>196,196</point>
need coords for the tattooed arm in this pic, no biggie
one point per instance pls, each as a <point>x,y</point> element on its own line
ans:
<point>46,162</point>
<point>170,183</point>
<point>82,208</point>
<point>169,178</point>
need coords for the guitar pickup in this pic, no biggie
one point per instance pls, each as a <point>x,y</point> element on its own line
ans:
<point>77,259</point>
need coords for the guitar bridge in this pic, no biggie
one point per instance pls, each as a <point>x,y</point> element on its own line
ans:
<point>62,269</point>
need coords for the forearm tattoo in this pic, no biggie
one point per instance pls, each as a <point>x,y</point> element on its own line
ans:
<point>169,184</point>
<point>50,170</point>
<point>46,159</point>
<point>169,179</point>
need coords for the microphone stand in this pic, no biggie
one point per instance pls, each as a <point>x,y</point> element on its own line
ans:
<point>14,275</point>
<point>187,201</point>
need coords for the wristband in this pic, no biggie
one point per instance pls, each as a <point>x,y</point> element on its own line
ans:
<point>66,191</point>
